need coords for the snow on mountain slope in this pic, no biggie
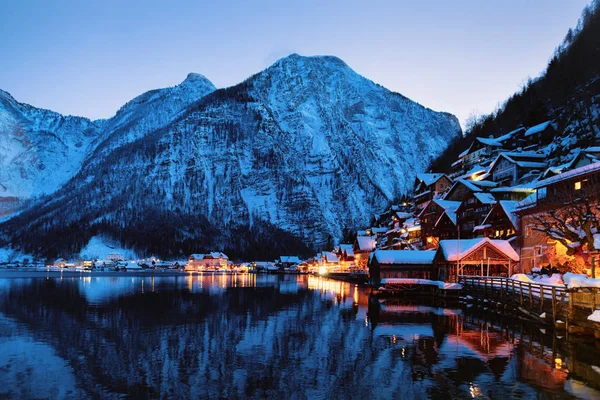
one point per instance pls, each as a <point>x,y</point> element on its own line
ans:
<point>305,147</point>
<point>41,150</point>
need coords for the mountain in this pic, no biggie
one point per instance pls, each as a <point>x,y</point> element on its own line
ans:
<point>281,162</point>
<point>41,150</point>
<point>568,93</point>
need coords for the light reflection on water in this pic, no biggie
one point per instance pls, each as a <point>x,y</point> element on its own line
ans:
<point>267,336</point>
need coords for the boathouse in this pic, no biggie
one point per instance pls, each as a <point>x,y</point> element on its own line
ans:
<point>416,264</point>
<point>480,257</point>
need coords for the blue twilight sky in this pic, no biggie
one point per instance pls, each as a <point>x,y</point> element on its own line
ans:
<point>90,57</point>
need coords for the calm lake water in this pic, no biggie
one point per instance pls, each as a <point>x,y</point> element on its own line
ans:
<point>268,336</point>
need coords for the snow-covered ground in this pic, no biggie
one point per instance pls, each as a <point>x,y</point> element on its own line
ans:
<point>100,247</point>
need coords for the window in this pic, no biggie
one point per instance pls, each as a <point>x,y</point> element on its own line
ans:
<point>577,185</point>
<point>528,231</point>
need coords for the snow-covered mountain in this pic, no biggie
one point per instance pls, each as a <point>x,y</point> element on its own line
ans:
<point>40,150</point>
<point>300,150</point>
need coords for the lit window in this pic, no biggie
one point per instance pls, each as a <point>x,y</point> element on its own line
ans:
<point>577,185</point>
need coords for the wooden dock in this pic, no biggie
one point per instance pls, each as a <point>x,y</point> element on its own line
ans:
<point>563,308</point>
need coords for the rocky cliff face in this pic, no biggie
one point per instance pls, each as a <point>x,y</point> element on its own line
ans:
<point>294,154</point>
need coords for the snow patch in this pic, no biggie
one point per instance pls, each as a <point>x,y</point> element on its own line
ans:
<point>100,247</point>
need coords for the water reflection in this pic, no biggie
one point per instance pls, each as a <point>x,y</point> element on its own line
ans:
<point>257,336</point>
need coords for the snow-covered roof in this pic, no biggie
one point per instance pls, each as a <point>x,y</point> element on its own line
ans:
<point>378,230</point>
<point>475,170</point>
<point>509,207</point>
<point>403,215</point>
<point>429,179</point>
<point>522,159</point>
<point>455,163</point>
<point>421,257</point>
<point>464,153</point>
<point>485,198</point>
<point>348,248</point>
<point>290,259</point>
<point>470,185</point>
<point>513,189</point>
<point>527,202</point>
<point>457,249</point>
<point>329,257</point>
<point>509,135</point>
<point>587,169</point>
<point>481,227</point>
<point>365,243</point>
<point>537,128</point>
<point>489,142</point>
<point>450,213</point>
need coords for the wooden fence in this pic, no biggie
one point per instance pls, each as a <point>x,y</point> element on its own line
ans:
<point>534,299</point>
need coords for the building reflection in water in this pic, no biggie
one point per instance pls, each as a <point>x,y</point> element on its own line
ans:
<point>256,336</point>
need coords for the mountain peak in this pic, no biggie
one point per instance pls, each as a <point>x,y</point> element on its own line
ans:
<point>296,58</point>
<point>196,77</point>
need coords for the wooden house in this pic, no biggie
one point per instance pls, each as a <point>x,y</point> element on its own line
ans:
<point>501,222</point>
<point>363,246</point>
<point>345,253</point>
<point>512,168</point>
<point>429,186</point>
<point>472,211</point>
<point>540,135</point>
<point>564,193</point>
<point>400,264</point>
<point>481,257</point>
<point>430,215</point>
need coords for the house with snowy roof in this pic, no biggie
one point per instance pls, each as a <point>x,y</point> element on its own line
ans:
<point>500,223</point>
<point>430,215</point>
<point>478,256</point>
<point>328,258</point>
<point>287,261</point>
<point>462,187</point>
<point>345,252</point>
<point>480,150</point>
<point>540,134</point>
<point>363,246</point>
<point>513,139</point>
<point>511,168</point>
<point>428,186</point>
<point>582,158</point>
<point>515,193</point>
<point>472,211</point>
<point>210,261</point>
<point>572,193</point>
<point>414,264</point>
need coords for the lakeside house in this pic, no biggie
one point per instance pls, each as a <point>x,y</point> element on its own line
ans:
<point>400,264</point>
<point>210,261</point>
<point>481,256</point>
<point>574,194</point>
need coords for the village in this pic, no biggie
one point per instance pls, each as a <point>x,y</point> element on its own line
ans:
<point>504,216</point>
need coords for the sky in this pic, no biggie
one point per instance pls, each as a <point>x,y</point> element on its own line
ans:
<point>88,58</point>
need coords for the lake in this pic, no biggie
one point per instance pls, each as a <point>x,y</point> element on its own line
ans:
<point>268,336</point>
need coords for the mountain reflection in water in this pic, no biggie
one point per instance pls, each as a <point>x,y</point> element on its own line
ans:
<point>267,336</point>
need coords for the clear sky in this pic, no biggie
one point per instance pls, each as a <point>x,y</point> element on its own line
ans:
<point>90,57</point>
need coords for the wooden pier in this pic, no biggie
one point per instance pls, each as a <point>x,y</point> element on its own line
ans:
<point>564,308</point>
